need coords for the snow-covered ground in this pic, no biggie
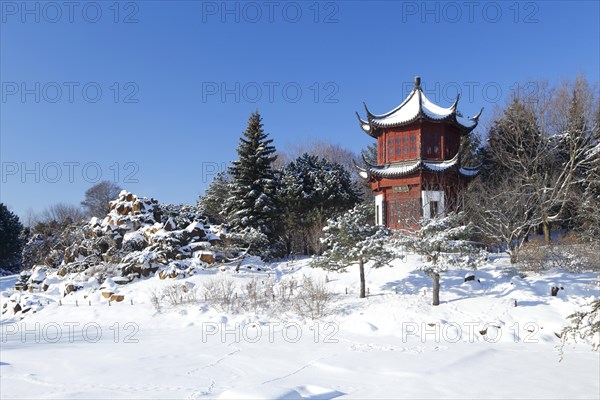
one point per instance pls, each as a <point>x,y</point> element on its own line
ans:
<point>393,344</point>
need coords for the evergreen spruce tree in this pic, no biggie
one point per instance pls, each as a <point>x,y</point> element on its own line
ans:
<point>11,242</point>
<point>312,190</point>
<point>251,204</point>
<point>470,150</point>
<point>369,153</point>
<point>514,144</point>
<point>213,201</point>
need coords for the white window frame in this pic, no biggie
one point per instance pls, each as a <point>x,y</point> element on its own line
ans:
<point>379,210</point>
<point>428,196</point>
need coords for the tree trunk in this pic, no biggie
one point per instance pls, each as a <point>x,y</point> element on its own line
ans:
<point>361,266</point>
<point>436,289</point>
<point>512,251</point>
<point>546,228</point>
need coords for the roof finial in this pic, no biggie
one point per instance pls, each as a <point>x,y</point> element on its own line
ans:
<point>417,82</point>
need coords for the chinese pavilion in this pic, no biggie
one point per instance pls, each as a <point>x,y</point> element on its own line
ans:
<point>418,173</point>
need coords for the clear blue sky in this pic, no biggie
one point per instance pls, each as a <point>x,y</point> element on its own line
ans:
<point>168,116</point>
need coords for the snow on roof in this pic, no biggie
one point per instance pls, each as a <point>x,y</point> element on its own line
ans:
<point>468,171</point>
<point>441,165</point>
<point>467,122</point>
<point>415,106</point>
<point>407,167</point>
<point>396,169</point>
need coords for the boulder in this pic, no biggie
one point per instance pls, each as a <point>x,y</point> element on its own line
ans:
<point>195,230</point>
<point>69,288</point>
<point>137,206</point>
<point>207,256</point>
<point>120,280</point>
<point>170,225</point>
<point>38,275</point>
<point>117,297</point>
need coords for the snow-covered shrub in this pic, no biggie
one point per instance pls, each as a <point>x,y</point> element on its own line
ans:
<point>155,296</point>
<point>181,214</point>
<point>572,257</point>
<point>174,295</point>
<point>585,327</point>
<point>178,294</point>
<point>219,293</point>
<point>102,271</point>
<point>249,240</point>
<point>312,299</point>
<point>134,241</point>
<point>258,295</point>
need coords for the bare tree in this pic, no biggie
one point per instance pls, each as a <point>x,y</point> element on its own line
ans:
<point>569,134</point>
<point>575,119</point>
<point>329,151</point>
<point>502,212</point>
<point>544,143</point>
<point>61,213</point>
<point>31,218</point>
<point>98,197</point>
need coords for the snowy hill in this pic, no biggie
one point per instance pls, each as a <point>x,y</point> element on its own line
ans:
<point>393,344</point>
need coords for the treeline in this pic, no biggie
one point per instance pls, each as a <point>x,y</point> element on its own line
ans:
<point>42,235</point>
<point>540,163</point>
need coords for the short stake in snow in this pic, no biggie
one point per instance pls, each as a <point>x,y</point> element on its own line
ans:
<point>351,239</point>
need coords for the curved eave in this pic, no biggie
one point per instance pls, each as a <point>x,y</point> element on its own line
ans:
<point>362,172</point>
<point>395,170</point>
<point>397,173</point>
<point>440,166</point>
<point>365,126</point>
<point>469,172</point>
<point>399,169</point>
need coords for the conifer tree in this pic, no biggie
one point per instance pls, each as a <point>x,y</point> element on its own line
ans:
<point>11,242</point>
<point>251,203</point>
<point>444,241</point>
<point>352,239</point>
<point>213,201</point>
<point>312,190</point>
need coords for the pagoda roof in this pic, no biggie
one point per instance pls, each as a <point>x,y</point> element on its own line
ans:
<point>416,107</point>
<point>403,168</point>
